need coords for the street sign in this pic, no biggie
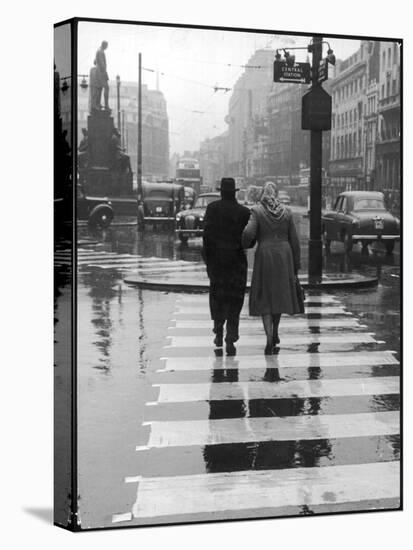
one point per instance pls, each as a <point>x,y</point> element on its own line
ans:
<point>316,110</point>
<point>298,73</point>
<point>322,71</point>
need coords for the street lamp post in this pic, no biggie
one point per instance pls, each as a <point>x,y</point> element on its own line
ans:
<point>316,117</point>
<point>315,262</point>
<point>139,167</point>
<point>118,101</point>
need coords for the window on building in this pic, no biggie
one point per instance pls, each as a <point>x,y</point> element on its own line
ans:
<point>382,91</point>
<point>384,59</point>
<point>389,57</point>
<point>393,87</point>
<point>351,117</point>
<point>395,53</point>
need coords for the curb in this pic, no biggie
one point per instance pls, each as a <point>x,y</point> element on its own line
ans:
<point>327,284</point>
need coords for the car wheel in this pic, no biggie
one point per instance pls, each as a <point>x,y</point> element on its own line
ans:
<point>103,218</point>
<point>326,241</point>
<point>390,247</point>
<point>348,242</point>
<point>183,239</point>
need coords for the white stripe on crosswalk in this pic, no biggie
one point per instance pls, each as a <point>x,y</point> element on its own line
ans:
<point>288,360</point>
<point>144,269</point>
<point>247,430</point>
<point>181,393</point>
<point>253,490</point>
<point>302,339</point>
<point>141,261</point>
<point>204,311</point>
<point>106,258</point>
<point>288,323</point>
<point>310,299</point>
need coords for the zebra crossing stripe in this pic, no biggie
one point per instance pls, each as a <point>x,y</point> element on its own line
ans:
<point>254,490</point>
<point>181,393</point>
<point>204,311</point>
<point>106,256</point>
<point>288,360</point>
<point>141,261</point>
<point>302,339</point>
<point>286,324</point>
<point>289,428</point>
<point>193,299</point>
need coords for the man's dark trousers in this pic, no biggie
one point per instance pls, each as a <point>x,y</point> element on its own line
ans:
<point>226,263</point>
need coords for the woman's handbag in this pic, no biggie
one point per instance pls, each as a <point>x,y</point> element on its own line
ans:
<point>300,294</point>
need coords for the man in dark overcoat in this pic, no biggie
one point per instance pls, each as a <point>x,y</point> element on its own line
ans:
<point>226,263</point>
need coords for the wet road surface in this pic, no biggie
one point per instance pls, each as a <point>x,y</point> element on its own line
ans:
<point>170,432</point>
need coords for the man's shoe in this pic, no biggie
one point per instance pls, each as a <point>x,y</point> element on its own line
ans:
<point>231,349</point>
<point>218,340</point>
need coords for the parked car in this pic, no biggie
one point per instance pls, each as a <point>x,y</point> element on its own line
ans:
<point>160,203</point>
<point>190,223</point>
<point>284,197</point>
<point>360,216</point>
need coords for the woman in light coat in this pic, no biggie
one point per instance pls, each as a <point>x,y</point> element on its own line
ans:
<point>276,263</point>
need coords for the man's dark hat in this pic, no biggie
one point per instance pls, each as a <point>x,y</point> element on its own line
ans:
<point>227,184</point>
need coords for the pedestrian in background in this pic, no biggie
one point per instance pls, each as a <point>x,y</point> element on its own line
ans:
<point>226,263</point>
<point>276,263</point>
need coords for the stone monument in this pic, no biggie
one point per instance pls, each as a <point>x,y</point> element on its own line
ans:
<point>104,167</point>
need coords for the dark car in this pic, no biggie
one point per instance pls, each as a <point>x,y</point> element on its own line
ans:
<point>97,211</point>
<point>160,203</point>
<point>190,223</point>
<point>360,216</point>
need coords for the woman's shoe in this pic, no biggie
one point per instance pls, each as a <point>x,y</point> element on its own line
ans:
<point>230,349</point>
<point>275,342</point>
<point>268,350</point>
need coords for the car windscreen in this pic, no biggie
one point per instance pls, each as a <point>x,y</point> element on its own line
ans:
<point>202,202</point>
<point>158,196</point>
<point>368,204</point>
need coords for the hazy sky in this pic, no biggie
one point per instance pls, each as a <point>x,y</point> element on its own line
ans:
<point>193,61</point>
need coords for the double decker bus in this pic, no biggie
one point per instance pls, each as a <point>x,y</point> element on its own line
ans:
<point>188,174</point>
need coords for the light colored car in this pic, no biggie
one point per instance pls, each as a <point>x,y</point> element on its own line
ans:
<point>360,216</point>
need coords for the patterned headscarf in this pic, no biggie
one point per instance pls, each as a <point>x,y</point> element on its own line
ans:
<point>270,201</point>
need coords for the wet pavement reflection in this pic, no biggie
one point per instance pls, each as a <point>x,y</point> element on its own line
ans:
<point>124,333</point>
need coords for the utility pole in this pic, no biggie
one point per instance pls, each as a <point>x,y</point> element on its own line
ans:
<point>139,167</point>
<point>118,101</point>
<point>123,129</point>
<point>315,249</point>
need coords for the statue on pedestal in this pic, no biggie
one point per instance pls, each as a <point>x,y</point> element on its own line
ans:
<point>98,81</point>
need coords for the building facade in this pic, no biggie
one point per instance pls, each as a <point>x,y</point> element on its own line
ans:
<point>213,160</point>
<point>248,103</point>
<point>389,124</point>
<point>354,92</point>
